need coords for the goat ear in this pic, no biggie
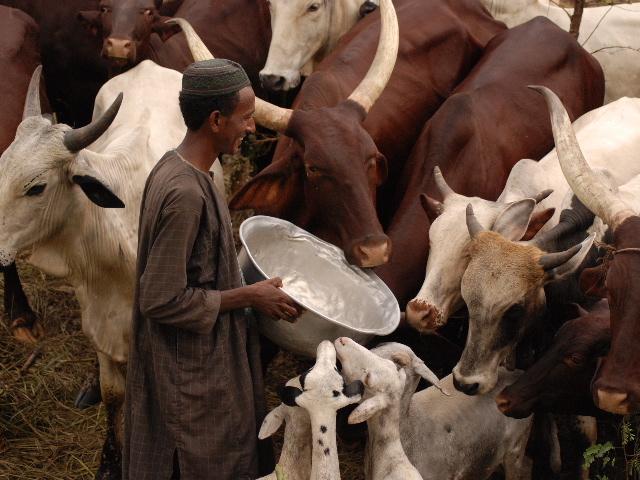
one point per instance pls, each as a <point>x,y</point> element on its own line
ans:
<point>538,220</point>
<point>513,221</point>
<point>272,422</point>
<point>289,394</point>
<point>421,369</point>
<point>401,359</point>
<point>368,409</point>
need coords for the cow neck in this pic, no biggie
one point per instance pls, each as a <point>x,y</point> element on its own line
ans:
<point>508,7</point>
<point>384,444</point>
<point>324,457</point>
<point>627,235</point>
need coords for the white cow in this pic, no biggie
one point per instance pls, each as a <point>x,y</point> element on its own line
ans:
<point>303,33</point>
<point>454,436</point>
<point>608,137</point>
<point>54,180</point>
<point>611,33</point>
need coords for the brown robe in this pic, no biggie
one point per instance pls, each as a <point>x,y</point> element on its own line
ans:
<point>194,381</point>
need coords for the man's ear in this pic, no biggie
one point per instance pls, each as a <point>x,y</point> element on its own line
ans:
<point>215,120</point>
<point>272,422</point>
<point>273,191</point>
<point>367,409</point>
<point>93,185</point>
<point>90,19</point>
<point>164,30</point>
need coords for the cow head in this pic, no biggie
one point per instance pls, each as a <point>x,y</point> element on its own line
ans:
<point>302,31</point>
<point>327,180</point>
<point>616,385</point>
<point>43,175</point>
<point>126,27</point>
<point>449,240</point>
<point>560,380</point>
<point>503,287</point>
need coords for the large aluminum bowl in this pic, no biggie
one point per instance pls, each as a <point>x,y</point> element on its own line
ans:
<point>339,299</point>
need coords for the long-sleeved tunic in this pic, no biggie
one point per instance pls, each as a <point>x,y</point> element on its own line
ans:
<point>194,382</point>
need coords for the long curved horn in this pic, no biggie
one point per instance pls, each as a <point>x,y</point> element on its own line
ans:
<point>441,183</point>
<point>381,68</point>
<point>549,261</point>
<point>588,188</point>
<point>473,225</point>
<point>79,138</point>
<point>266,114</point>
<point>32,101</point>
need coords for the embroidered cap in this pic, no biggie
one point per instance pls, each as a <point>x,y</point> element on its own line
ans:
<point>210,78</point>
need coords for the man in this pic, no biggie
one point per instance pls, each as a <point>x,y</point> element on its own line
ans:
<point>194,395</point>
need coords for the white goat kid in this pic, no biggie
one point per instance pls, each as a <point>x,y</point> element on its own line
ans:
<point>323,394</point>
<point>295,456</point>
<point>429,418</point>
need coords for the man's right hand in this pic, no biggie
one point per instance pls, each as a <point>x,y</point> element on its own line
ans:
<point>269,299</point>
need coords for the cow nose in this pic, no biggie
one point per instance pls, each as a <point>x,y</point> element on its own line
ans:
<point>422,316</point>
<point>118,48</point>
<point>466,388</point>
<point>372,252</point>
<point>272,82</point>
<point>612,401</point>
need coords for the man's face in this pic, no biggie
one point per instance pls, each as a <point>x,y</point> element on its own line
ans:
<point>232,129</point>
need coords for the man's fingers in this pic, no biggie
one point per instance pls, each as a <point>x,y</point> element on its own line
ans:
<point>275,281</point>
<point>289,311</point>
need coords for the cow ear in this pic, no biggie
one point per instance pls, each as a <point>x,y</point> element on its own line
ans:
<point>165,30</point>
<point>368,409</point>
<point>572,264</point>
<point>289,394</point>
<point>538,220</point>
<point>90,19</point>
<point>432,207</point>
<point>513,221</point>
<point>382,169</point>
<point>272,192</point>
<point>593,281</point>
<point>272,422</point>
<point>92,184</point>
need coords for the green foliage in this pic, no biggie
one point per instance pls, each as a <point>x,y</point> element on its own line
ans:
<point>604,452</point>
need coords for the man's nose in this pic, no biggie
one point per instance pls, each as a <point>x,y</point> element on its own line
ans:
<point>251,127</point>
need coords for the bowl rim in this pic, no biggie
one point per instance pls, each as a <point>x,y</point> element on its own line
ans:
<point>377,331</point>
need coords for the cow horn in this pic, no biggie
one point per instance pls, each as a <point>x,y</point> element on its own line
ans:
<point>79,138</point>
<point>381,68</point>
<point>266,114</point>
<point>32,102</point>
<point>549,261</point>
<point>583,181</point>
<point>443,186</point>
<point>472,223</point>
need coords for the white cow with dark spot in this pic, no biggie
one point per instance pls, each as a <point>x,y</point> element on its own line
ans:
<point>53,188</point>
<point>303,33</point>
<point>444,437</point>
<point>609,32</point>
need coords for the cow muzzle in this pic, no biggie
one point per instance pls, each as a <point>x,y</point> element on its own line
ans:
<point>372,252</point>
<point>423,316</point>
<point>7,257</point>
<point>119,50</point>
<point>280,83</point>
<point>613,401</point>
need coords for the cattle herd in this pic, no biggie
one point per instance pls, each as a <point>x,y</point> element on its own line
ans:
<point>480,158</point>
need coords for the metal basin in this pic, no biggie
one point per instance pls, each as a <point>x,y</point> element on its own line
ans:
<point>339,299</point>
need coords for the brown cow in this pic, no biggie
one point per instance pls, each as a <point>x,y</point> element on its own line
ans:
<point>19,57</point>
<point>616,385</point>
<point>133,30</point>
<point>560,381</point>
<point>490,122</point>
<point>326,170</point>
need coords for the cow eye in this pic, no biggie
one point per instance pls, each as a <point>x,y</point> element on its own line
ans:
<point>515,312</point>
<point>147,12</point>
<point>574,360</point>
<point>36,190</point>
<point>105,9</point>
<point>311,170</point>
<point>314,7</point>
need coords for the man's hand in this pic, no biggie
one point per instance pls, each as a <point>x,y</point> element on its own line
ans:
<point>269,299</point>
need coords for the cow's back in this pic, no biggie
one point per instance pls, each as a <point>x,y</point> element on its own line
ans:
<point>19,56</point>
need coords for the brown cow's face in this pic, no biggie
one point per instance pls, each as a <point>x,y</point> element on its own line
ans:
<point>326,183</point>
<point>560,381</point>
<point>616,386</point>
